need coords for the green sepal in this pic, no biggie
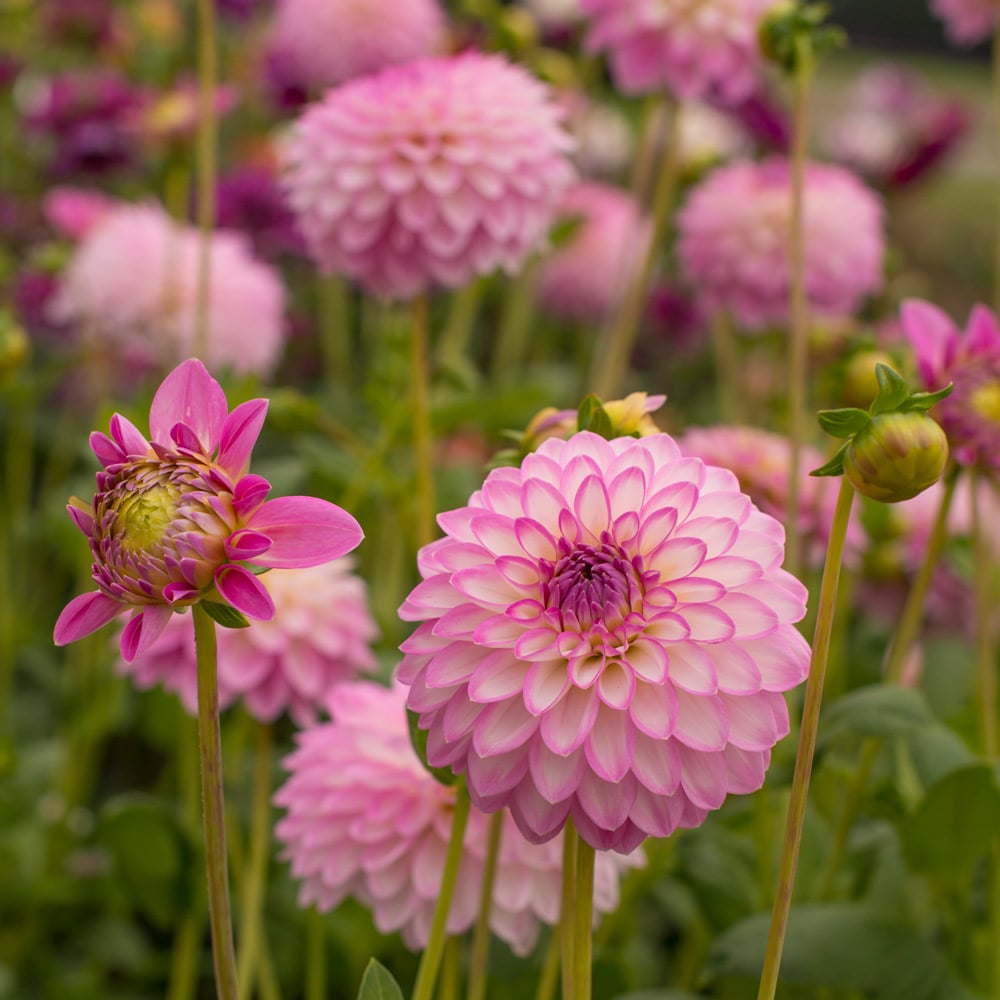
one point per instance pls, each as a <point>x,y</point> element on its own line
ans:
<point>418,738</point>
<point>923,401</point>
<point>591,416</point>
<point>794,36</point>
<point>835,467</point>
<point>378,983</point>
<point>893,390</point>
<point>225,615</point>
<point>843,423</point>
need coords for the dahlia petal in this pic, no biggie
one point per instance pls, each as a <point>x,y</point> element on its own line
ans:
<point>707,623</point>
<point>718,533</point>
<point>676,558</point>
<point>453,665</point>
<point>784,595</point>
<point>931,332</point>
<point>566,725</point>
<point>83,519</point>
<point>616,685</point>
<point>485,585</point>
<point>555,776</point>
<point>459,716</point>
<point>249,494</point>
<point>656,764</point>
<point>751,724</point>
<point>703,777</point>
<point>654,709</point>
<point>592,506</point>
<point>648,660</point>
<point>537,644</point>
<point>129,438</point>
<point>697,590</point>
<point>751,618</point>
<point>496,534</point>
<point>982,334</point>
<point>239,434</point>
<point>186,439</point>
<point>498,774</point>
<point>543,503</point>
<point>610,744</point>
<point>668,627</point>
<point>498,677</point>
<point>85,614</point>
<point>537,819</point>
<point>657,815</point>
<point>655,528</point>
<point>544,684</point>
<point>143,629</point>
<point>702,723</point>
<point>304,531</point>
<point>585,670</point>
<point>518,572</point>
<point>499,631</point>
<point>606,802</point>
<point>246,544</point>
<point>782,658</point>
<point>190,396</point>
<point>240,588</point>
<point>765,550</point>
<point>177,591</point>
<point>736,670</point>
<point>626,492</point>
<point>534,539</point>
<point>461,622</point>
<point>108,452</point>
<point>745,770</point>
<point>692,668</point>
<point>731,571</point>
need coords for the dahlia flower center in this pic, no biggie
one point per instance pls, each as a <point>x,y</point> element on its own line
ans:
<point>144,515</point>
<point>985,401</point>
<point>593,583</point>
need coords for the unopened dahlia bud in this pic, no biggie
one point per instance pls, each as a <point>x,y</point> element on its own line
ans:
<point>631,416</point>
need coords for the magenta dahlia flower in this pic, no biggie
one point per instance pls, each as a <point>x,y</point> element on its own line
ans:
<point>967,22</point>
<point>323,43</point>
<point>429,173</point>
<point>605,633</point>
<point>733,237</point>
<point>705,49</point>
<point>320,636</point>
<point>365,819</point>
<point>970,416</point>
<point>178,518</point>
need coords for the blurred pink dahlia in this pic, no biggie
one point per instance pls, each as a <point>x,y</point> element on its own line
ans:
<point>967,22</point>
<point>586,277</point>
<point>605,632</point>
<point>970,360</point>
<point>323,43</point>
<point>705,49</point>
<point>133,285</point>
<point>178,518</point>
<point>320,636</point>
<point>365,819</point>
<point>429,173</point>
<point>733,235</point>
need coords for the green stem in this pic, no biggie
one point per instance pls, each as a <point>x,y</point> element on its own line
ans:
<point>583,921</point>
<point>315,955</point>
<point>515,326</point>
<point>431,960</point>
<point>255,873</point>
<point>335,332</point>
<point>726,352</point>
<point>549,975</point>
<point>423,440</point>
<point>567,939</point>
<point>650,137</point>
<point>481,934</point>
<point>457,332</point>
<point>984,603</point>
<point>206,165</point>
<point>450,969</point>
<point>807,742</point>
<point>213,806</point>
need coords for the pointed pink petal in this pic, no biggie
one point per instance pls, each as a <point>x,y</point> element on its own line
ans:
<point>566,725</point>
<point>703,777</point>
<point>246,544</point>
<point>606,803</point>
<point>85,614</point>
<point>498,677</point>
<point>931,332</point>
<point>239,435</point>
<point>503,726</point>
<point>240,588</point>
<point>83,519</point>
<point>752,726</point>
<point>108,452</point>
<point>304,531</point>
<point>654,709</point>
<point>982,336</point>
<point>499,774</point>
<point>189,395</point>
<point>129,438</point>
<point>657,764</point>
<point>544,684</point>
<point>143,629</point>
<point>610,744</point>
<point>184,437</point>
<point>484,584</point>
<point>702,723</point>
<point>249,493</point>
<point>592,506</point>
<point>556,777</point>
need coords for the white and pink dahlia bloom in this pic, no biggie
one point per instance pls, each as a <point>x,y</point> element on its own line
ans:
<point>178,518</point>
<point>707,49</point>
<point>320,636</point>
<point>365,819</point>
<point>133,285</point>
<point>733,241</point>
<point>429,174</point>
<point>605,633</point>
<point>967,22</point>
<point>324,43</point>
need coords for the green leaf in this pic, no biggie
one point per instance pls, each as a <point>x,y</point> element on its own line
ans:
<point>893,390</point>
<point>844,423</point>
<point>591,416</point>
<point>225,615</point>
<point>418,737</point>
<point>835,467</point>
<point>937,751</point>
<point>923,401</point>
<point>378,983</point>
<point>880,710</point>
<point>956,822</point>
<point>565,229</point>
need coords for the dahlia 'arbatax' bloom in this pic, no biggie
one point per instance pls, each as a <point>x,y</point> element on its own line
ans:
<point>733,241</point>
<point>707,49</point>
<point>365,819</point>
<point>605,632</point>
<point>970,360</point>
<point>429,173</point>
<point>967,22</point>
<point>323,44</point>
<point>319,637</point>
<point>178,518</point>
<point>133,285</point>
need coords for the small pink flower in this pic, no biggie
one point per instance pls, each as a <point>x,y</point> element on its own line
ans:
<point>365,819</point>
<point>733,241</point>
<point>178,518</point>
<point>319,636</point>
<point>967,22</point>
<point>970,360</point>
<point>429,173</point>
<point>75,211</point>
<point>605,632</point>
<point>704,49</point>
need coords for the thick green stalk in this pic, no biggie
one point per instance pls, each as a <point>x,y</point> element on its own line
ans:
<point>315,955</point>
<point>515,325</point>
<point>423,438</point>
<point>807,742</point>
<point>481,934</point>
<point>549,976</point>
<point>583,921</point>
<point>213,806</point>
<point>335,332</point>
<point>431,960</point>
<point>726,354</point>
<point>567,940</point>
<point>458,327</point>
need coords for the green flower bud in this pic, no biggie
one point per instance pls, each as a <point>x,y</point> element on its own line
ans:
<point>896,456</point>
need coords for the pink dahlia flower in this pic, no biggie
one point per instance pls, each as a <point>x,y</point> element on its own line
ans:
<point>365,819</point>
<point>605,633</point>
<point>178,518</point>
<point>429,173</point>
<point>967,22</point>
<point>970,416</point>
<point>133,284</point>
<point>733,235</point>
<point>320,636</point>
<point>325,43</point>
<point>586,277</point>
<point>704,49</point>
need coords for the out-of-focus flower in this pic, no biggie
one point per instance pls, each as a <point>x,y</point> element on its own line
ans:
<point>178,518</point>
<point>970,416</point>
<point>321,44</point>
<point>585,278</point>
<point>707,50</point>
<point>605,143</point>
<point>733,241</point>
<point>429,173</point>
<point>242,10</point>
<point>628,416</point>
<point>133,285</point>
<point>173,115</point>
<point>365,819</point>
<point>75,211</point>
<point>319,637</point>
<point>765,119</point>
<point>967,22</point>
<point>706,135</point>
<point>77,22</point>
<point>250,200</point>
<point>555,16</point>
<point>605,633</point>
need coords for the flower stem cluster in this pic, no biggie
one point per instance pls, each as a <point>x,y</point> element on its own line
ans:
<point>794,36</point>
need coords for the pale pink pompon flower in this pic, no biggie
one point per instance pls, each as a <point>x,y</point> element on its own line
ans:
<point>319,637</point>
<point>365,819</point>
<point>707,49</point>
<point>179,518</point>
<point>605,632</point>
<point>967,22</point>
<point>429,173</point>
<point>733,241</point>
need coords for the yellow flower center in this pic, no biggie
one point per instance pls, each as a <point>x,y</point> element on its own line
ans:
<point>145,515</point>
<point>985,401</point>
